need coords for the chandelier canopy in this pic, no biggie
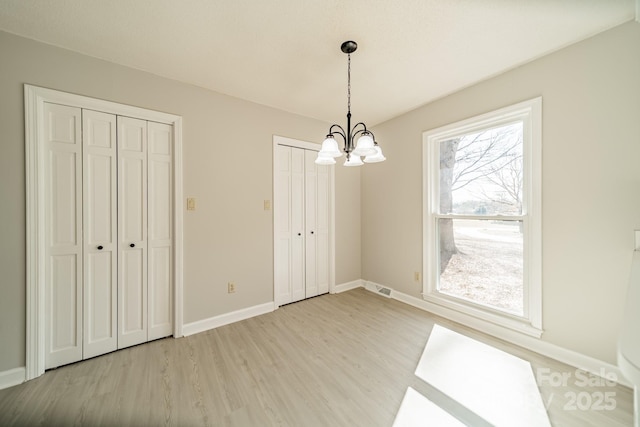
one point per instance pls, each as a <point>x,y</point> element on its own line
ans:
<point>365,146</point>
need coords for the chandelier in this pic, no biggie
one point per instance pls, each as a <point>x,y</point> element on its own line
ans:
<point>366,145</point>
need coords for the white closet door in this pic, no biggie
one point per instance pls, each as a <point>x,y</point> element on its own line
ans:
<point>63,238</point>
<point>321,226</point>
<point>132,230</point>
<point>297,225</point>
<point>283,233</point>
<point>310,203</point>
<point>289,224</point>
<point>301,225</point>
<point>160,241</point>
<point>100,236</point>
<point>316,226</point>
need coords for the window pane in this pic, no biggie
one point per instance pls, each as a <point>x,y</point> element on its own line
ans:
<point>481,173</point>
<point>482,261</point>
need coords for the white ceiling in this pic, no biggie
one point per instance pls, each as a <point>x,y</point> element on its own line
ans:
<point>286,53</point>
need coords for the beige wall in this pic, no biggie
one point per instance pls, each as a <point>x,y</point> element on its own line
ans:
<point>227,168</point>
<point>591,184</point>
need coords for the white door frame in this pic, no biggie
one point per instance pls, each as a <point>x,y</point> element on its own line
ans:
<point>34,99</point>
<point>281,140</point>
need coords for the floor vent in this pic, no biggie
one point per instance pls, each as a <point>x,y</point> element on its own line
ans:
<point>384,291</point>
<point>380,290</point>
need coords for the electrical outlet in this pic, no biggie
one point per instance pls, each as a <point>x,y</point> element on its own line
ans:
<point>231,287</point>
<point>416,276</point>
<point>191,204</point>
<point>267,205</point>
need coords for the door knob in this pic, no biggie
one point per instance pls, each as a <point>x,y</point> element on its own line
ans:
<point>100,247</point>
<point>299,234</point>
<point>312,232</point>
<point>133,245</point>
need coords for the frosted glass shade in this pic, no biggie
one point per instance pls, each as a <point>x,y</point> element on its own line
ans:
<point>375,158</point>
<point>364,146</point>
<point>353,161</point>
<point>325,159</point>
<point>330,147</point>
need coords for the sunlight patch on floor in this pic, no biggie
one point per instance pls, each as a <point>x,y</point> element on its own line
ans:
<point>497,386</point>
<point>418,411</point>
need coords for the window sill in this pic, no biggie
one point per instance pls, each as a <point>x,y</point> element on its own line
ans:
<point>478,317</point>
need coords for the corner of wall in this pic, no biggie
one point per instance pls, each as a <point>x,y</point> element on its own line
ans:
<point>344,287</point>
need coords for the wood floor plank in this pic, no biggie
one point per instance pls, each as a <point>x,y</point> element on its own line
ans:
<point>333,360</point>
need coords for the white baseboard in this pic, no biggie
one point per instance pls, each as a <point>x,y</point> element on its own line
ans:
<point>246,313</point>
<point>227,318</point>
<point>344,287</point>
<point>12,377</point>
<point>561,354</point>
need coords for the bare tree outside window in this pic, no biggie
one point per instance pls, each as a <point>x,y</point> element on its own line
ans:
<point>481,176</point>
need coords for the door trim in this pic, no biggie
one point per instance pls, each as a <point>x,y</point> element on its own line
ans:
<point>290,142</point>
<point>34,99</point>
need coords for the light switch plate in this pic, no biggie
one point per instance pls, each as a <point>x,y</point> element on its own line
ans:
<point>191,204</point>
<point>267,205</point>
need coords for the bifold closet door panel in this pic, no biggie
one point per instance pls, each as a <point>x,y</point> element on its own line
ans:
<point>310,217</point>
<point>160,226</point>
<point>297,225</point>
<point>62,132</point>
<point>317,226</point>
<point>289,224</point>
<point>283,233</point>
<point>132,230</point>
<point>100,232</point>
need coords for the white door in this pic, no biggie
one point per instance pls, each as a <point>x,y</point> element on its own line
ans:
<point>63,238</point>
<point>109,244</point>
<point>132,229</point>
<point>316,226</point>
<point>91,212</point>
<point>100,233</point>
<point>160,234</point>
<point>297,219</point>
<point>322,225</point>
<point>288,231</point>
<point>145,226</point>
<point>282,232</point>
<point>310,217</point>
<point>301,225</point>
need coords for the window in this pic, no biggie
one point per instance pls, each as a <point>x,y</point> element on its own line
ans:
<point>482,225</point>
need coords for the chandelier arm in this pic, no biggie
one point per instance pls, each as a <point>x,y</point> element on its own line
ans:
<point>355,133</point>
<point>340,132</point>
<point>364,128</point>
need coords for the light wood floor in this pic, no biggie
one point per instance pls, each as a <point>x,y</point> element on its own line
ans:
<point>334,360</point>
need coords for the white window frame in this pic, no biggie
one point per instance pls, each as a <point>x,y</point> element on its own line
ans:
<point>467,312</point>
